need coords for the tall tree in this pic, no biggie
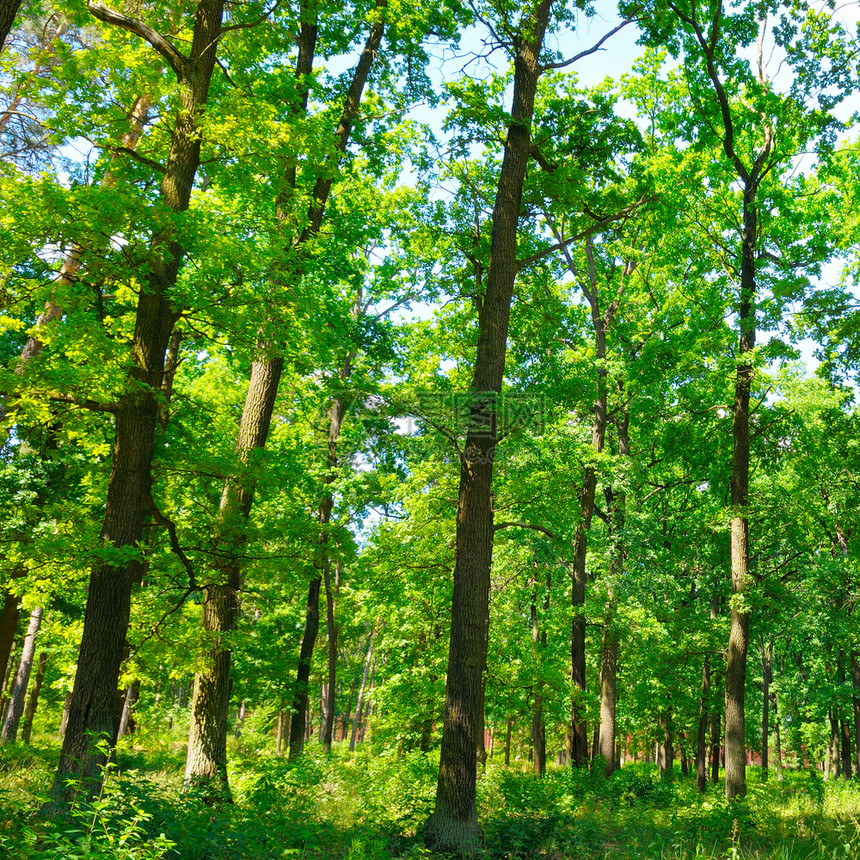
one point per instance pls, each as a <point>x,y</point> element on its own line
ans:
<point>207,755</point>
<point>15,708</point>
<point>453,826</point>
<point>758,130</point>
<point>8,11</point>
<point>92,706</point>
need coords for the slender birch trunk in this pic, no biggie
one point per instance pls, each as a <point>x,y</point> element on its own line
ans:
<point>356,720</point>
<point>15,707</point>
<point>33,700</point>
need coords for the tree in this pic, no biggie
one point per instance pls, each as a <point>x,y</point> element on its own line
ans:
<point>91,711</point>
<point>453,826</point>
<point>759,131</point>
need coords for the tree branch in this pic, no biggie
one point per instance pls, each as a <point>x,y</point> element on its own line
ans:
<point>547,532</point>
<point>590,231</point>
<point>174,543</point>
<point>84,403</point>
<point>254,23</point>
<point>592,50</point>
<point>140,159</point>
<point>178,62</point>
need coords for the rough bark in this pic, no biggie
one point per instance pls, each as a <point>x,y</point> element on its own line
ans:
<point>17,700</point>
<point>608,698</point>
<point>9,616</point>
<point>749,176</point>
<point>33,700</point>
<point>578,724</point>
<point>8,11</point>
<point>91,712</point>
<point>207,739</point>
<point>453,826</point>
<point>736,658</point>
<point>206,760</point>
<point>601,322</point>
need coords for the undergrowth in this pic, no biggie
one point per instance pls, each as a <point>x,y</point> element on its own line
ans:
<point>371,807</point>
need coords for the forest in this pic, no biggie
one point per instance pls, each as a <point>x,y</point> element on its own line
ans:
<point>429,429</point>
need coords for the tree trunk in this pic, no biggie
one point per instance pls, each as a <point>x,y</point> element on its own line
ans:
<point>15,708</point>
<point>508,727</point>
<point>106,618</point>
<point>538,650</point>
<point>206,758</point>
<point>665,747</point>
<point>776,736</point>
<point>240,719</point>
<point>736,660</point>
<point>608,696</point>
<point>331,632</point>
<point>33,701</point>
<point>300,698</point>
<point>8,682</point>
<point>601,322</point>
<point>749,178</point>
<point>369,709</point>
<point>356,720</point>
<point>855,700</point>
<point>701,737</point>
<point>767,677</point>
<point>303,673</point>
<point>64,717</point>
<point>538,735</point>
<point>845,747</point>
<point>616,504</point>
<point>8,11</point>
<point>9,616</point>
<point>831,763</point>
<point>279,733</point>
<point>578,724</point>
<point>345,720</point>
<point>126,721</point>
<point>265,376</point>
<point>453,826</point>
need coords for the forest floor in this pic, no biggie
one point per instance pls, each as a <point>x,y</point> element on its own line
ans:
<point>368,806</point>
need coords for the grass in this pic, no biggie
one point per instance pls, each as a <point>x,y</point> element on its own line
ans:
<point>371,807</point>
